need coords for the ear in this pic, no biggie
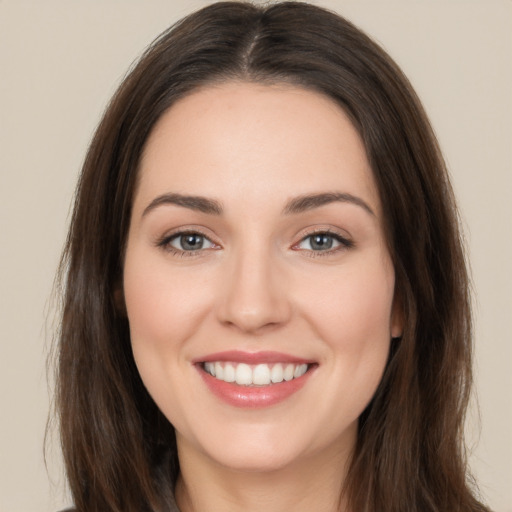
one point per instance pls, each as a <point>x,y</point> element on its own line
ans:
<point>397,318</point>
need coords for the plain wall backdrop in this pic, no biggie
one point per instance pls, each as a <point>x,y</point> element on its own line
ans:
<point>60,61</point>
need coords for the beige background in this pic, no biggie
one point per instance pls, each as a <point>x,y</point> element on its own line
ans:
<point>61,60</point>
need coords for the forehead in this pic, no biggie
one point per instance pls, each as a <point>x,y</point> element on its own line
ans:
<point>236,138</point>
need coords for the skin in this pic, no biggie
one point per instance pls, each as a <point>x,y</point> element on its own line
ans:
<point>258,285</point>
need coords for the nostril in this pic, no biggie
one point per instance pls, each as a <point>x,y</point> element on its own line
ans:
<point>252,297</point>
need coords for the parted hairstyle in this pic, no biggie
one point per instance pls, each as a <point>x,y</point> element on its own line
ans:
<point>119,450</point>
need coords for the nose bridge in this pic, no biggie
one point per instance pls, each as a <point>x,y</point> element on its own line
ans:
<point>254,296</point>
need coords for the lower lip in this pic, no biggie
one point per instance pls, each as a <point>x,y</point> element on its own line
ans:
<point>253,397</point>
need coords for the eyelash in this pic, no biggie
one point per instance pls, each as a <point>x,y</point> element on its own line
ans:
<point>165,243</point>
<point>344,243</point>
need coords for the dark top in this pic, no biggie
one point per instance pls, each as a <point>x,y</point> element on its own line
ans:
<point>174,508</point>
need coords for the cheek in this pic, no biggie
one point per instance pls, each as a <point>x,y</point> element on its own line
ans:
<point>161,305</point>
<point>164,309</point>
<point>353,305</point>
<point>352,315</point>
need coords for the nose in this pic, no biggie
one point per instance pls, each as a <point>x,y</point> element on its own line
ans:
<point>255,296</point>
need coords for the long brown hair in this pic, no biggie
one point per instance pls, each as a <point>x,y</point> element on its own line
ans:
<point>119,450</point>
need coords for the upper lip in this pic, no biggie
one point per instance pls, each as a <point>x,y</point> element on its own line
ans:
<point>238,356</point>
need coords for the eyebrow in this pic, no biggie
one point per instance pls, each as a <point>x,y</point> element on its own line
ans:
<point>311,201</point>
<point>198,203</point>
<point>296,205</point>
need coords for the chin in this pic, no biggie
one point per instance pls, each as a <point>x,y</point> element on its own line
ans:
<point>268,448</point>
<point>255,460</point>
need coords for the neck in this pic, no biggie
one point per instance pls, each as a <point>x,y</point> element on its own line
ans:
<point>314,483</point>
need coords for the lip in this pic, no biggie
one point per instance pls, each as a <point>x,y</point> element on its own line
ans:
<point>237,356</point>
<point>253,397</point>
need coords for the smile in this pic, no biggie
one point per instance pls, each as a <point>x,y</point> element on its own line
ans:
<point>255,375</point>
<point>254,380</point>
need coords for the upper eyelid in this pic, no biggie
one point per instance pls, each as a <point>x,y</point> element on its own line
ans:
<point>329,230</point>
<point>165,243</point>
<point>346,239</point>
<point>178,236</point>
<point>336,236</point>
<point>346,242</point>
<point>169,235</point>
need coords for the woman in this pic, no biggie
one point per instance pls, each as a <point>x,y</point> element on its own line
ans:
<point>266,300</point>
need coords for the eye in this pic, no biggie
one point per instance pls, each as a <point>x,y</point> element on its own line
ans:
<point>323,242</point>
<point>187,242</point>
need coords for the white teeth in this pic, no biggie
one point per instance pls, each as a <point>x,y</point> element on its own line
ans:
<point>299,370</point>
<point>219,371</point>
<point>289,371</point>
<point>229,373</point>
<point>259,375</point>
<point>277,373</point>
<point>210,368</point>
<point>243,374</point>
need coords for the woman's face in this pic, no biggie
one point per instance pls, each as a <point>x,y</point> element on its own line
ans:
<point>258,285</point>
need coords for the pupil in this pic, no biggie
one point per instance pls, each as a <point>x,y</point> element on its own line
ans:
<point>191,242</point>
<point>321,242</point>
